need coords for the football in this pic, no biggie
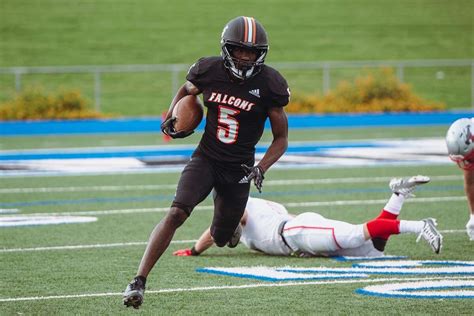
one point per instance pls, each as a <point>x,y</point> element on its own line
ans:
<point>188,113</point>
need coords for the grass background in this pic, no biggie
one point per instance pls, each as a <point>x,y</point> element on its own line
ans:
<point>106,32</point>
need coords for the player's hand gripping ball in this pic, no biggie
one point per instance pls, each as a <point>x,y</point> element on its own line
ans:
<point>168,129</point>
<point>186,116</point>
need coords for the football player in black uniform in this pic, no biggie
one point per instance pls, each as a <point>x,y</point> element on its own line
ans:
<point>240,93</point>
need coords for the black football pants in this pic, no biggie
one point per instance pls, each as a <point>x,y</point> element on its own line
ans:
<point>197,180</point>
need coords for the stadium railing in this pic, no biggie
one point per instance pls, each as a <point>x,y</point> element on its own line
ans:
<point>325,66</point>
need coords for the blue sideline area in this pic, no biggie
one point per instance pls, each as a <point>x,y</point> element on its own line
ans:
<point>152,124</point>
<point>145,153</point>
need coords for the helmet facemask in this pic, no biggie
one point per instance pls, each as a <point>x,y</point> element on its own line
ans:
<point>243,69</point>
<point>464,162</point>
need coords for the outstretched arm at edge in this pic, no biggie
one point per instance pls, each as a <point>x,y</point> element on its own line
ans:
<point>204,242</point>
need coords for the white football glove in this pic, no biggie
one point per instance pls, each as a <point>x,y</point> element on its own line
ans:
<point>470,228</point>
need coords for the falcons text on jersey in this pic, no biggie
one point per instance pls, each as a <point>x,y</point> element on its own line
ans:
<point>236,111</point>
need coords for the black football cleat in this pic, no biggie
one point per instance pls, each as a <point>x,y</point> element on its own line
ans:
<point>234,240</point>
<point>133,295</point>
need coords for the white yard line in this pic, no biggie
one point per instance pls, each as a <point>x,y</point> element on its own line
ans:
<point>106,212</point>
<point>91,246</point>
<point>228,287</point>
<point>453,231</point>
<point>89,188</point>
<point>114,212</point>
<point>209,207</point>
<point>381,201</point>
<point>9,210</point>
<point>135,243</point>
<point>173,186</point>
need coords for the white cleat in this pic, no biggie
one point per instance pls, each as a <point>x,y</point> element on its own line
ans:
<point>431,234</point>
<point>470,228</point>
<point>406,186</point>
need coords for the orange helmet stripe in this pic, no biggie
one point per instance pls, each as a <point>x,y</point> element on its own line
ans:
<point>250,30</point>
<point>246,29</point>
<point>254,33</point>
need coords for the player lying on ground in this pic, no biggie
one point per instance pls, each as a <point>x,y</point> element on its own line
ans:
<point>460,143</point>
<point>267,227</point>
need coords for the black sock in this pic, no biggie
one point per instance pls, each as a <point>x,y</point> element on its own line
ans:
<point>379,243</point>
<point>141,278</point>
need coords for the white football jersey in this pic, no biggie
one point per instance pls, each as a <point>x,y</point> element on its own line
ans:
<point>261,229</point>
<point>308,233</point>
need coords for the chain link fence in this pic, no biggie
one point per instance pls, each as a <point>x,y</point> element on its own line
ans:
<point>304,76</point>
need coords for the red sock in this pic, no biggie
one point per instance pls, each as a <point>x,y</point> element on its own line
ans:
<point>383,228</point>
<point>387,215</point>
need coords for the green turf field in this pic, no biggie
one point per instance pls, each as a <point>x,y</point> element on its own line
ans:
<point>107,269</point>
<point>83,268</point>
<point>61,32</point>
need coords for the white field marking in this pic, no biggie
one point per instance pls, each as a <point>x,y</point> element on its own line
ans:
<point>425,289</point>
<point>173,186</point>
<point>114,212</point>
<point>177,169</point>
<point>89,188</point>
<point>382,201</point>
<point>108,212</point>
<point>92,246</point>
<point>351,180</point>
<point>210,207</point>
<point>415,264</point>
<point>225,287</point>
<point>135,243</point>
<point>22,220</point>
<point>452,231</point>
<point>44,174</point>
<point>9,210</point>
<point>450,270</point>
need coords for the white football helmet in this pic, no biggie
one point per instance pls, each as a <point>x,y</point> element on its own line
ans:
<point>460,143</point>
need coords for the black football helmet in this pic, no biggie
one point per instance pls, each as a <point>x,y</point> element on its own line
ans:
<point>247,33</point>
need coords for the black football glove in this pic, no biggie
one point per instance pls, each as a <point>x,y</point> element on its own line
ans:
<point>167,127</point>
<point>255,173</point>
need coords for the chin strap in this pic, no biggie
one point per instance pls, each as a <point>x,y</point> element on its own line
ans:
<point>466,162</point>
<point>240,73</point>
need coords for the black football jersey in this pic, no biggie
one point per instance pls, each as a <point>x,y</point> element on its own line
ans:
<point>236,111</point>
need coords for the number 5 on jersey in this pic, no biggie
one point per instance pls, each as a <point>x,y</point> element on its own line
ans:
<point>227,125</point>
